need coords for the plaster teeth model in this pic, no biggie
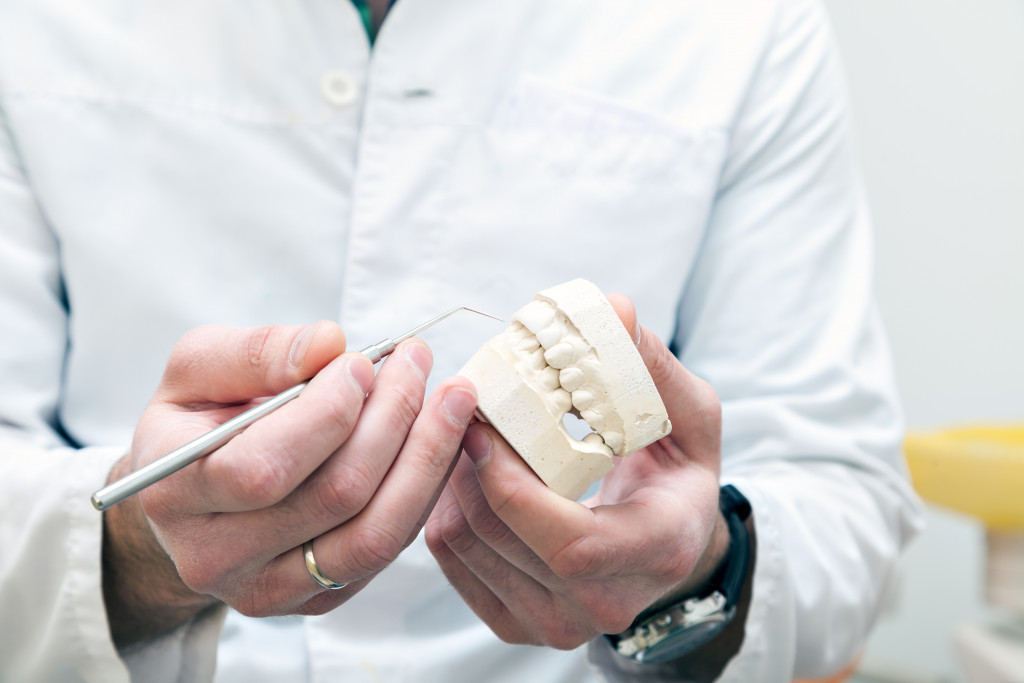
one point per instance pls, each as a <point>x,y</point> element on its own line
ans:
<point>567,352</point>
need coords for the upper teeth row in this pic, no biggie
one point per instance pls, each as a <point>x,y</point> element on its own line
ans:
<point>564,365</point>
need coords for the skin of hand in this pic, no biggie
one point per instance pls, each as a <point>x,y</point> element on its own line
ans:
<point>356,462</point>
<point>544,570</point>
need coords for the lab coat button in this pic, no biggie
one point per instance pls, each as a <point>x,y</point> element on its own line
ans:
<point>338,88</point>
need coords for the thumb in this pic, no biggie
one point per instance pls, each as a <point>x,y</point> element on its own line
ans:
<point>692,404</point>
<point>228,364</point>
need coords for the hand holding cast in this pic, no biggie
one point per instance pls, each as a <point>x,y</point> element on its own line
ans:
<point>541,569</point>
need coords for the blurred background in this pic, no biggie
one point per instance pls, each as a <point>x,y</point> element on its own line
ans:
<point>938,99</point>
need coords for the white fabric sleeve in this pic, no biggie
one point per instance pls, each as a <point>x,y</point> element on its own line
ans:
<point>54,622</point>
<point>779,318</point>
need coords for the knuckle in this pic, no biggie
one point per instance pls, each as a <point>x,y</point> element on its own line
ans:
<point>340,416</point>
<point>662,364</point>
<point>158,504</point>
<point>200,573</point>
<point>562,635</point>
<point>577,560</point>
<point>191,343</point>
<point>456,533</point>
<point>513,634</point>
<point>187,353</point>
<point>253,604</point>
<point>405,406</point>
<point>609,616</point>
<point>256,350</point>
<point>487,525</point>
<point>260,597</point>
<point>429,463</point>
<point>341,495</point>
<point>434,537</point>
<point>709,406</point>
<point>371,550</point>
<point>616,623</point>
<point>320,604</point>
<point>483,523</point>
<point>507,495</point>
<point>259,483</point>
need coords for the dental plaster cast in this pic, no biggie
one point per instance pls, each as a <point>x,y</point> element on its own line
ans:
<point>567,352</point>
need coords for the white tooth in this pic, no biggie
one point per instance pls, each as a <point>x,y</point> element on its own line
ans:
<point>538,359</point>
<point>550,335</point>
<point>591,368</point>
<point>536,315</point>
<point>529,343</point>
<point>613,439</point>
<point>559,355</point>
<point>594,419</point>
<point>561,399</point>
<point>583,349</point>
<point>548,378</point>
<point>595,440</point>
<point>582,398</point>
<point>571,379</point>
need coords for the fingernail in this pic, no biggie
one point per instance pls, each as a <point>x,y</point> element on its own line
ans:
<point>361,372</point>
<point>477,445</point>
<point>420,356</point>
<point>300,344</point>
<point>637,335</point>
<point>459,404</point>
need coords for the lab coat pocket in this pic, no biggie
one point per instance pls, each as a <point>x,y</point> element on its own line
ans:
<point>566,183</point>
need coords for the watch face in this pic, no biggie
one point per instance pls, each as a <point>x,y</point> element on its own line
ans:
<point>682,642</point>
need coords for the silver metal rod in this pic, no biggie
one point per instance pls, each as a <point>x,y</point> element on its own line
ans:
<point>204,445</point>
<point>168,464</point>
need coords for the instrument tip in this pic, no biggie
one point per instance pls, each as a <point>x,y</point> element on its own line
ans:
<point>486,315</point>
<point>433,321</point>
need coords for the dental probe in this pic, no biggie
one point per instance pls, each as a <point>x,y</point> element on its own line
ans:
<point>132,483</point>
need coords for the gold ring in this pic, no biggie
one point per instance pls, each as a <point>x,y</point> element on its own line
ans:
<point>314,570</point>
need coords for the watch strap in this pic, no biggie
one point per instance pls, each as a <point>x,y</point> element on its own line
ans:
<point>731,573</point>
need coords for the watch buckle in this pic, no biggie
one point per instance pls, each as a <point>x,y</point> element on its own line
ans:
<point>661,625</point>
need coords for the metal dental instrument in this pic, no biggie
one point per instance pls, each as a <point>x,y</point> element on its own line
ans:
<point>132,483</point>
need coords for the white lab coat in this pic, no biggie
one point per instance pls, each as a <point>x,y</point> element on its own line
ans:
<point>169,164</point>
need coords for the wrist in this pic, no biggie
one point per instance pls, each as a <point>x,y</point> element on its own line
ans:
<point>143,594</point>
<point>697,615</point>
<point>708,566</point>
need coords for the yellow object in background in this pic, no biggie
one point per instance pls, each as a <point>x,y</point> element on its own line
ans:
<point>980,471</point>
<point>975,470</point>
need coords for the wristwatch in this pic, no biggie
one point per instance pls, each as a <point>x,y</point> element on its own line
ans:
<point>674,630</point>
